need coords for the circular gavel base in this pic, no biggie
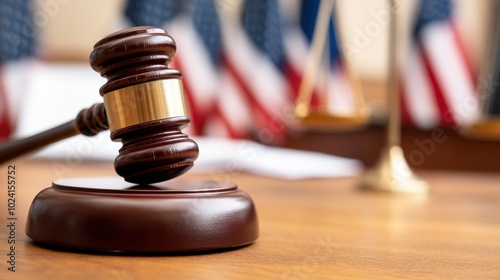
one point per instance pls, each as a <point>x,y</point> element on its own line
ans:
<point>110,215</point>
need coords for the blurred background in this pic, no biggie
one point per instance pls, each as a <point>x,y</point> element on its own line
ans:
<point>246,60</point>
<point>75,26</point>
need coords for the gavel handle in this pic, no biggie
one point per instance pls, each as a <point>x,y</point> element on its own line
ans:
<point>89,122</point>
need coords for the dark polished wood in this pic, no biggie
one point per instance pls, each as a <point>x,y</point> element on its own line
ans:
<point>157,150</point>
<point>108,214</point>
<point>132,56</point>
<point>309,229</point>
<point>154,151</point>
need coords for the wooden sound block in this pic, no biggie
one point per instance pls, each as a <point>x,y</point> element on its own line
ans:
<point>111,215</point>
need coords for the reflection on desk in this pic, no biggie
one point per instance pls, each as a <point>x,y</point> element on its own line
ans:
<point>309,229</point>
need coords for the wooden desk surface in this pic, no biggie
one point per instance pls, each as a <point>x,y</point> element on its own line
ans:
<point>309,229</point>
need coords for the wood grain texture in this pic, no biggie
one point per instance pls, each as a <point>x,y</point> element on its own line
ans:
<point>309,229</point>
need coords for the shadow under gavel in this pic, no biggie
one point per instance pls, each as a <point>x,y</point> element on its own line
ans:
<point>144,108</point>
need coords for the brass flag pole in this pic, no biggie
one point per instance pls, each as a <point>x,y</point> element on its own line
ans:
<point>392,173</point>
<point>317,65</point>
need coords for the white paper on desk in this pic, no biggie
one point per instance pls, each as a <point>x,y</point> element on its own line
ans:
<point>58,92</point>
<point>225,155</point>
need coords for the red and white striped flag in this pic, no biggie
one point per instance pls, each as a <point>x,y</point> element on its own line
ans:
<point>239,80</point>
<point>438,87</point>
<point>254,93</point>
<point>232,72</point>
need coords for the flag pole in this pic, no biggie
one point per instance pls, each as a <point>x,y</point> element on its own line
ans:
<point>392,173</point>
<point>321,118</point>
<point>318,44</point>
<point>393,98</point>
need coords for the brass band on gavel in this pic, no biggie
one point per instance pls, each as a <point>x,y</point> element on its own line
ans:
<point>151,101</point>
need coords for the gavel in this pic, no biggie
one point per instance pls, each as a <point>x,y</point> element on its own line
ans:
<point>144,108</point>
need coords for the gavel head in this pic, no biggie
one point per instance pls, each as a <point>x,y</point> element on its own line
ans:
<point>145,104</point>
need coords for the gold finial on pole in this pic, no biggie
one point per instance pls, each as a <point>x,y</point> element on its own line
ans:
<point>392,173</point>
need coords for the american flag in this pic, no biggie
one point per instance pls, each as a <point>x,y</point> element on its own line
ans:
<point>232,72</point>
<point>17,42</point>
<point>254,92</point>
<point>438,86</point>
<point>242,72</point>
